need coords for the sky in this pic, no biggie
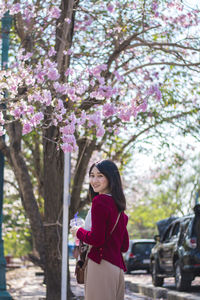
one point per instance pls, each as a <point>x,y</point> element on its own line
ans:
<point>192,3</point>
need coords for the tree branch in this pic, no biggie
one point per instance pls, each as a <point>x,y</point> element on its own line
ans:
<point>163,120</point>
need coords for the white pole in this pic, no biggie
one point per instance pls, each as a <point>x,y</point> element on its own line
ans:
<point>66,198</point>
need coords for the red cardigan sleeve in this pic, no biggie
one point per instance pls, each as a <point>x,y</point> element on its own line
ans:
<point>99,212</point>
<point>125,243</point>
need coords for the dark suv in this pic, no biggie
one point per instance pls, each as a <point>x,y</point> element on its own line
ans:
<point>138,255</point>
<point>177,251</point>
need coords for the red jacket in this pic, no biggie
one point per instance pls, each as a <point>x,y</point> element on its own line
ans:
<point>106,246</point>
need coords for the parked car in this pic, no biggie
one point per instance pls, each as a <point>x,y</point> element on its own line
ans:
<point>177,251</point>
<point>138,255</point>
<point>71,248</point>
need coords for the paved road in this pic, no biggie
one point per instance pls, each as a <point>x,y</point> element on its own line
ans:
<point>144,278</point>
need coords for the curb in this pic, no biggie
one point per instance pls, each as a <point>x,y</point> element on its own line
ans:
<point>158,292</point>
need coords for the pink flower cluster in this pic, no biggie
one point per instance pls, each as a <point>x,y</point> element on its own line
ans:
<point>104,90</point>
<point>2,122</point>
<point>154,90</point>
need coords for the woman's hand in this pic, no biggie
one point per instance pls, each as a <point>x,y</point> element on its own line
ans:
<point>74,230</point>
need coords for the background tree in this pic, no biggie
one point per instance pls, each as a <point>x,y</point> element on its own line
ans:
<point>165,191</point>
<point>82,74</point>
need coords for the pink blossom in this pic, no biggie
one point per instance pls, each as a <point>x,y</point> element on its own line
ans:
<point>15,8</point>
<point>69,138</point>
<point>40,77</point>
<point>27,56</point>
<point>53,74</point>
<point>51,51</point>
<point>117,131</point>
<point>69,72</point>
<point>69,143</point>
<point>88,22</point>
<point>69,51</point>
<point>110,8</point>
<point>155,5</point>
<point>47,97</point>
<point>143,106</point>
<point>101,80</point>
<point>118,76</point>
<point>108,110</point>
<point>134,109</point>
<point>26,128</point>
<point>97,70</point>
<point>68,129</point>
<point>17,113</point>
<point>71,91</point>
<point>100,131</point>
<point>94,119</point>
<point>158,95</point>
<point>30,80</point>
<point>57,118</point>
<point>125,114</point>
<point>154,89</point>
<point>60,104</point>
<point>2,131</point>
<point>54,12</point>
<point>110,92</point>
<point>67,20</point>
<point>92,82</point>
<point>2,121</point>
<point>73,119</point>
<point>30,109</point>
<point>60,88</point>
<point>67,147</point>
<point>36,97</point>
<point>28,14</point>
<point>83,118</point>
<point>37,118</point>
<point>81,89</point>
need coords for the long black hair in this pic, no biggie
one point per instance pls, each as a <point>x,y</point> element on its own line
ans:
<point>111,172</point>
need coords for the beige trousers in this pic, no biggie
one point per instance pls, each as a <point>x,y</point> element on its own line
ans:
<point>104,281</point>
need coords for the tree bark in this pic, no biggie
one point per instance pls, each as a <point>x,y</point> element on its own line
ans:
<point>26,189</point>
<point>86,148</point>
<point>53,195</point>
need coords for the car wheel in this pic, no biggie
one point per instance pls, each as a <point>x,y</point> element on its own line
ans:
<point>157,281</point>
<point>182,281</point>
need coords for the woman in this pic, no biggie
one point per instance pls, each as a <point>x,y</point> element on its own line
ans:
<point>104,275</point>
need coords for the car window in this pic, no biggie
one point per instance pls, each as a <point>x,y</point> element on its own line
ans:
<point>167,234</point>
<point>190,228</point>
<point>183,230</point>
<point>195,227</point>
<point>175,230</point>
<point>142,248</point>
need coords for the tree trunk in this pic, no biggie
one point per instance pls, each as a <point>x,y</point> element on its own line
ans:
<point>53,197</point>
<point>26,189</point>
<point>86,148</point>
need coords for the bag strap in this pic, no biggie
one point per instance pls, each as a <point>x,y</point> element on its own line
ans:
<point>115,223</point>
<point>86,258</point>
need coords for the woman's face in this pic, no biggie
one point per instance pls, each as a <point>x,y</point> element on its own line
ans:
<point>99,182</point>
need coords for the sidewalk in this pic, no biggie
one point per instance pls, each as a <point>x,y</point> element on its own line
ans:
<point>23,284</point>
